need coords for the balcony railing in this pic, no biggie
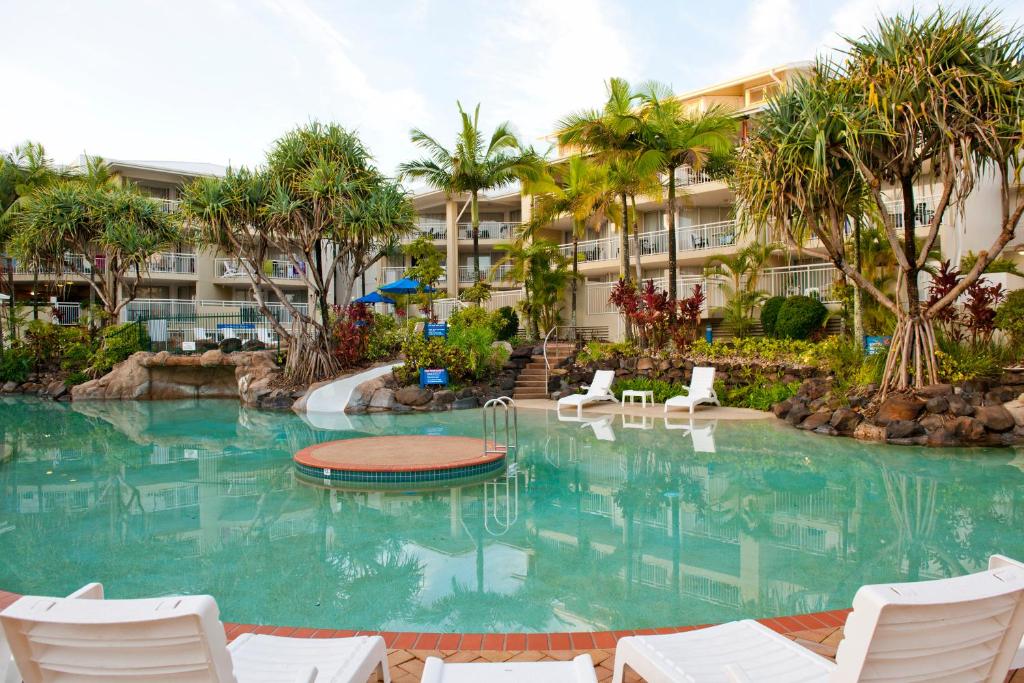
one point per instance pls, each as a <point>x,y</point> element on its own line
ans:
<point>186,308</point>
<point>281,270</point>
<point>686,176</point>
<point>490,230</point>
<point>487,273</point>
<point>73,263</point>
<point>67,312</point>
<point>436,230</point>
<point>170,262</point>
<point>443,308</point>
<point>924,210</point>
<point>703,237</point>
<point>168,205</point>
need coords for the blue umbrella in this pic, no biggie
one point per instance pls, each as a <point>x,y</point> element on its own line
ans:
<point>405,286</point>
<point>374,298</point>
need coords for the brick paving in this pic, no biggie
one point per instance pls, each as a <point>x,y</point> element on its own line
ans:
<point>407,651</point>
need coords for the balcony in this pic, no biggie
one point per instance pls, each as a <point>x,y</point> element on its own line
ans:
<point>392,273</point>
<point>704,237</point>
<point>924,210</point>
<point>168,205</point>
<point>187,308</point>
<point>686,176</point>
<point>487,273</point>
<point>436,230</point>
<point>171,262</point>
<point>490,230</point>
<point>73,263</point>
<point>279,270</point>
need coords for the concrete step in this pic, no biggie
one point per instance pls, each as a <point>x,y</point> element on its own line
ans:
<point>522,396</point>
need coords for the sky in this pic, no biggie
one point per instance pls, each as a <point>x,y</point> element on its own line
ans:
<point>218,80</point>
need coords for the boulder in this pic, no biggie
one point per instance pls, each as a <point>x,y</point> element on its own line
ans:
<point>941,437</point>
<point>128,380</point>
<point>935,390</point>
<point>360,398</point>
<point>444,397</point>
<point>932,422</point>
<point>937,404</point>
<point>10,387</point>
<point>815,420</point>
<point>253,345</point>
<point>465,403</point>
<point>902,429</point>
<point>999,395</point>
<point>1016,409</point>
<point>995,418</point>
<point>845,420</point>
<point>414,395</point>
<point>898,407</point>
<point>969,429</point>
<point>56,389</point>
<point>959,407</point>
<point>230,345</point>
<point>382,399</point>
<point>211,359</point>
<point>866,431</point>
<point>797,412</point>
<point>502,345</point>
<point>781,409</point>
<point>645,365</point>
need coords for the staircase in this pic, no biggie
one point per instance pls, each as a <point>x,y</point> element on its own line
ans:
<point>532,381</point>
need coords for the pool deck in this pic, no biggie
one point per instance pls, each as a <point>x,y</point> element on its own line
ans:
<point>702,412</point>
<point>819,632</point>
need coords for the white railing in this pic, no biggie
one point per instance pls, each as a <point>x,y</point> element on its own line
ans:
<point>68,312</point>
<point>604,249</point>
<point>815,280</point>
<point>278,310</point>
<point>73,263</point>
<point>168,205</point>
<point>490,230</point>
<point>499,273</point>
<point>703,237</point>
<point>468,273</point>
<point>509,297</point>
<point>443,308</point>
<point>170,262</point>
<point>433,228</point>
<point>686,176</point>
<point>924,209</point>
<point>158,308</point>
<point>390,274</point>
<point>277,269</point>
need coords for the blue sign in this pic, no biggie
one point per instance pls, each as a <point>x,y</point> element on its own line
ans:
<point>876,345</point>
<point>430,376</point>
<point>236,326</point>
<point>435,330</point>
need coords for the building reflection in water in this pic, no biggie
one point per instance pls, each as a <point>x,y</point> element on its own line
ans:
<point>587,529</point>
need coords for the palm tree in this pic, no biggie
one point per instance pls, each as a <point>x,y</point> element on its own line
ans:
<point>474,165</point>
<point>743,270</point>
<point>543,270</point>
<point>610,133</point>
<point>634,174</point>
<point>682,139</point>
<point>581,192</point>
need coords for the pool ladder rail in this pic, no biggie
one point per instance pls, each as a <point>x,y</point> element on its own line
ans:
<point>498,437</point>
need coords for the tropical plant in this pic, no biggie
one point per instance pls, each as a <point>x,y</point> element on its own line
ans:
<point>917,96</point>
<point>682,138</point>
<point>350,332</point>
<point>738,275</point>
<point>1003,264</point>
<point>1010,317</point>
<point>318,188</point>
<point>770,314</point>
<point>543,270</point>
<point>687,325</point>
<point>475,164</point>
<point>799,317</point>
<point>427,268</point>
<point>505,323</point>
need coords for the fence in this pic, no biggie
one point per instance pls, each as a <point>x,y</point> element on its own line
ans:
<point>443,308</point>
<point>199,333</point>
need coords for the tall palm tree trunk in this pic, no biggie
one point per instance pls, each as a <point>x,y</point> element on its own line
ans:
<point>624,237</point>
<point>672,264</point>
<point>572,286</point>
<point>858,302</point>
<point>636,242</point>
<point>474,212</point>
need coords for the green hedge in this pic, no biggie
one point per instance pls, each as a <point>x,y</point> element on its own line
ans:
<point>799,317</point>
<point>770,314</point>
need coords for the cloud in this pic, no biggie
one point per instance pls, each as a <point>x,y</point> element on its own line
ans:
<point>774,33</point>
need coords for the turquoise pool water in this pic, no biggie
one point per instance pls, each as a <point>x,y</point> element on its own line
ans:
<point>598,526</point>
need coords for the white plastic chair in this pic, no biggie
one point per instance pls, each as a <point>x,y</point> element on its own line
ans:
<point>8,670</point>
<point>600,389</point>
<point>579,670</point>
<point>963,629</point>
<point>170,640</point>
<point>995,562</point>
<point>702,390</point>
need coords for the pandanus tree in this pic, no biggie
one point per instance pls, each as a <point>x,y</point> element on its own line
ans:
<point>578,189</point>
<point>917,99</point>
<point>475,164</point>
<point>88,225</point>
<point>320,203</point>
<point>683,139</point>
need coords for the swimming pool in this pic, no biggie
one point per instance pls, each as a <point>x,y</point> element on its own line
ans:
<point>598,526</point>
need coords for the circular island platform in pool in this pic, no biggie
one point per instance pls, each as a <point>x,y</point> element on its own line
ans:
<point>403,459</point>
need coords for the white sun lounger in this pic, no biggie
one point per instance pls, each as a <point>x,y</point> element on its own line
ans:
<point>600,389</point>
<point>963,629</point>
<point>170,640</point>
<point>702,390</point>
<point>995,562</point>
<point>579,670</point>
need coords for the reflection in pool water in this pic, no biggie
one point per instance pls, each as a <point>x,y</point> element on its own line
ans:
<point>603,524</point>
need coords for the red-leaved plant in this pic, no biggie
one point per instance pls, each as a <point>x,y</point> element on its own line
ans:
<point>688,318</point>
<point>976,314</point>
<point>351,333</point>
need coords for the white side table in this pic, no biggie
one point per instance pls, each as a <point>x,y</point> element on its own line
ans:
<point>632,394</point>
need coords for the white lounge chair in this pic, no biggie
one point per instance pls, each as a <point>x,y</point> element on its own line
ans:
<point>8,670</point>
<point>600,389</point>
<point>995,562</point>
<point>170,640</point>
<point>702,390</point>
<point>579,670</point>
<point>962,629</point>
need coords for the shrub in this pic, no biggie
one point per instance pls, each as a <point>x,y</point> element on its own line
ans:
<point>505,323</point>
<point>799,317</point>
<point>420,352</point>
<point>598,350</point>
<point>116,344</point>
<point>1010,317</point>
<point>15,364</point>
<point>759,393</point>
<point>770,314</point>
<point>384,339</point>
<point>350,332</point>
<point>76,378</point>
<point>962,361</point>
<point>662,389</point>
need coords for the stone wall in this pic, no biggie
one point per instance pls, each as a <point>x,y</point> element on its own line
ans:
<point>247,376</point>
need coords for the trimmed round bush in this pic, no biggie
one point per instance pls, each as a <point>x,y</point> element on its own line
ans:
<point>770,314</point>
<point>799,317</point>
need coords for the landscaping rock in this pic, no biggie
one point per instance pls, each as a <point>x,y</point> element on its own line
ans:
<point>781,409</point>
<point>56,389</point>
<point>999,396</point>
<point>941,437</point>
<point>230,345</point>
<point>845,420</point>
<point>995,418</point>
<point>959,407</point>
<point>1016,409</point>
<point>10,387</point>
<point>645,365</point>
<point>414,395</point>
<point>382,399</point>
<point>815,420</point>
<point>937,404</point>
<point>253,345</point>
<point>932,422</point>
<point>401,408</point>
<point>465,403</point>
<point>902,429</point>
<point>936,390</point>
<point>444,396</point>
<point>797,412</point>
<point>898,407</point>
<point>969,429</point>
<point>363,393</point>
<point>866,431</point>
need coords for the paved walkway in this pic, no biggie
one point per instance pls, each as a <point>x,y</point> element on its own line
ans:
<point>702,412</point>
